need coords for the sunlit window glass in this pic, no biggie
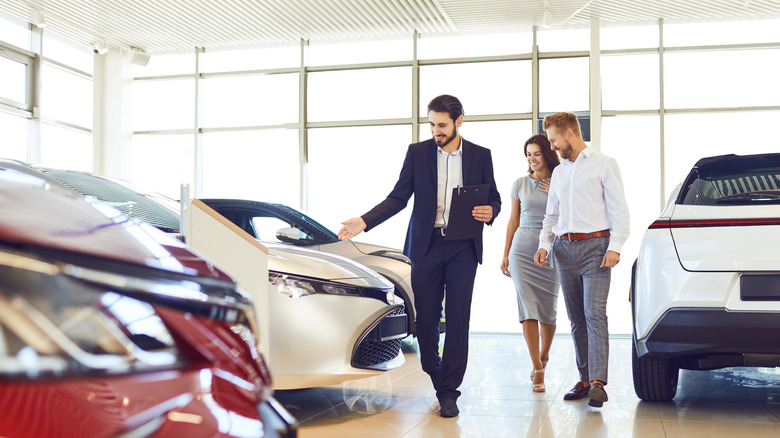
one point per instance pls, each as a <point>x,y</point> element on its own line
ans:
<point>13,80</point>
<point>731,32</point>
<point>564,85</point>
<point>261,165</point>
<point>375,157</point>
<point>690,137</point>
<point>630,82</point>
<point>171,167</point>
<point>65,148</point>
<point>250,59</point>
<point>66,96</point>
<point>360,52</point>
<point>14,144</point>
<point>502,88</point>
<point>563,40</point>
<point>382,93</point>
<point>464,46</point>
<point>67,52</point>
<point>721,78</point>
<point>633,37</point>
<point>634,142</point>
<point>163,65</point>
<point>165,104</point>
<point>250,100</point>
<point>14,31</point>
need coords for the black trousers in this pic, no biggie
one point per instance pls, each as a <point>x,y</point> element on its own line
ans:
<point>447,270</point>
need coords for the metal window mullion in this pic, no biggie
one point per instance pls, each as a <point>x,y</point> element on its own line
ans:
<point>415,90</point>
<point>595,83</point>
<point>303,130</point>
<point>34,148</point>
<point>535,84</point>
<point>198,126</point>
<point>662,112</point>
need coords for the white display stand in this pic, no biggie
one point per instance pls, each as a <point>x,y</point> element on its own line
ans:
<point>238,254</point>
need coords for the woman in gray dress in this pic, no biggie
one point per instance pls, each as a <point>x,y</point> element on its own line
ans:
<point>537,287</point>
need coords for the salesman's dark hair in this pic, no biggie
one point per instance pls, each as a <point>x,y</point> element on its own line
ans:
<point>446,104</point>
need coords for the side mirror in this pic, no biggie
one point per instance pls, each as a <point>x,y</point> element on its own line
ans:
<point>293,236</point>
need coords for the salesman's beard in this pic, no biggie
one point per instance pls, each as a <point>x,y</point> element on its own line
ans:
<point>447,140</point>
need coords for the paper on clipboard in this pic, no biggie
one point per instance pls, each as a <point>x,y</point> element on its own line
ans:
<point>462,224</point>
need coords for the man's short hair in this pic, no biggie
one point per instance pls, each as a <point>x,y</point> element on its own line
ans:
<point>446,104</point>
<point>562,121</point>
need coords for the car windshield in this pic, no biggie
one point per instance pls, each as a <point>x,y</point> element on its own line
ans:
<point>154,208</point>
<point>733,180</point>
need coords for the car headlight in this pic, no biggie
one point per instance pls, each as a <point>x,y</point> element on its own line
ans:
<point>295,286</point>
<point>53,325</point>
<point>395,255</point>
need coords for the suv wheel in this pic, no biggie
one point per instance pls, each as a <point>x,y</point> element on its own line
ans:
<point>655,377</point>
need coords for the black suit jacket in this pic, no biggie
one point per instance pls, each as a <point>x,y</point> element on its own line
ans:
<point>419,178</point>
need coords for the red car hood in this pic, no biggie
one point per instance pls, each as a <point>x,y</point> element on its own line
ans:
<point>37,214</point>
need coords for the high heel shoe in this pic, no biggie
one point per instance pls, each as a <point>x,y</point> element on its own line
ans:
<point>544,362</point>
<point>538,386</point>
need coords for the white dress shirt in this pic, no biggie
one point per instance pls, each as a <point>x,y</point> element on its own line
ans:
<point>450,175</point>
<point>586,196</point>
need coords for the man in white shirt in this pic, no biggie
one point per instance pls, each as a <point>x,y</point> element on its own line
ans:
<point>586,224</point>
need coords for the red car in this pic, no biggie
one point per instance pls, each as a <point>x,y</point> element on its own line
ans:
<point>110,328</point>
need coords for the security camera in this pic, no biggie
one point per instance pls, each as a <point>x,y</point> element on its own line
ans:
<point>100,48</point>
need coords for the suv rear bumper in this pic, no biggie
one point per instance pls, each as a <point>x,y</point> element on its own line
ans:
<point>708,338</point>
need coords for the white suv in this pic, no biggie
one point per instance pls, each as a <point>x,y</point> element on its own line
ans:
<point>705,290</point>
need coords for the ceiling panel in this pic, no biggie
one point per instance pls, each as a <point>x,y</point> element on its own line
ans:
<point>159,26</point>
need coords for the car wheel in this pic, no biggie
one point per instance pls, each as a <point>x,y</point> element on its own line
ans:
<point>655,377</point>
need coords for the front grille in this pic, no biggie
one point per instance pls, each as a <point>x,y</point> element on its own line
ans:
<point>373,352</point>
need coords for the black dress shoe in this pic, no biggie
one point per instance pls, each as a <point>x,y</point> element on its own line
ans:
<point>449,408</point>
<point>597,395</point>
<point>579,391</point>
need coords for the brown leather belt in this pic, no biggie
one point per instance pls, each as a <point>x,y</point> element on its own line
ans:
<point>583,236</point>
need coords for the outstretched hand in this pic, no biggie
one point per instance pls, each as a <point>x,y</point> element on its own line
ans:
<point>351,228</point>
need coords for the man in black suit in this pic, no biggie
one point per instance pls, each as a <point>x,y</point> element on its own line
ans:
<point>430,171</point>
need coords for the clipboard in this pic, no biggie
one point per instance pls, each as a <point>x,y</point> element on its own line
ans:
<point>462,224</point>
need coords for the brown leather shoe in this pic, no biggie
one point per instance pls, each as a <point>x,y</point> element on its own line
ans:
<point>579,391</point>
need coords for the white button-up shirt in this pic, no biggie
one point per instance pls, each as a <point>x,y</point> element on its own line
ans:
<point>450,175</point>
<point>586,196</point>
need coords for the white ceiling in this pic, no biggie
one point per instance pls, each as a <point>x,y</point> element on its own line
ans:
<point>159,26</point>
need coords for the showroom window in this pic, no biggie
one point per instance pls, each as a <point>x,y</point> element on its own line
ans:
<point>162,163</point>
<point>630,82</point>
<point>250,59</point>
<point>509,79</point>
<point>564,85</point>
<point>465,46</point>
<point>360,52</point>
<point>723,78</point>
<point>259,164</point>
<point>338,191</point>
<point>231,101</point>
<point>366,94</point>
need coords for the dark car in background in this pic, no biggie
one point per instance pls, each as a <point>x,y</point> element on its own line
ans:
<point>111,328</point>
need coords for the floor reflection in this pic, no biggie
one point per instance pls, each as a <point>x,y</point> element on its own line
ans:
<point>497,400</point>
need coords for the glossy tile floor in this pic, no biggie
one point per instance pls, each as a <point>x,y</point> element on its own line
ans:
<point>497,400</point>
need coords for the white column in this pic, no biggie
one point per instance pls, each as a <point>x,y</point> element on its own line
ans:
<point>595,84</point>
<point>112,127</point>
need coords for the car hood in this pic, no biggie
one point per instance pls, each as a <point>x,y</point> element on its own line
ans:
<point>317,264</point>
<point>726,238</point>
<point>37,214</point>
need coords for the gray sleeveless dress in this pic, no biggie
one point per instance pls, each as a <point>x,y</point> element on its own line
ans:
<point>537,288</point>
